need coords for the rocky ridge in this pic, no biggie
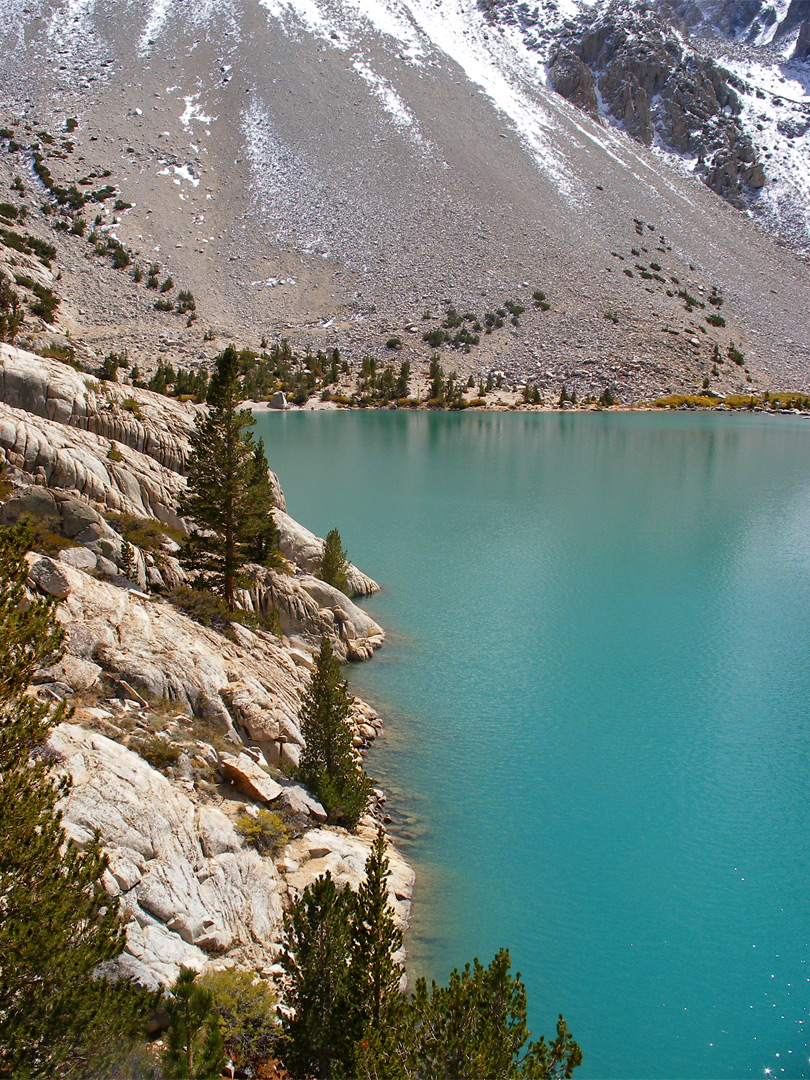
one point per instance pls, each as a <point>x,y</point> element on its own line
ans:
<point>178,730</point>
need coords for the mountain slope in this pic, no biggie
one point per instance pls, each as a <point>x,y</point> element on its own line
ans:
<point>333,171</point>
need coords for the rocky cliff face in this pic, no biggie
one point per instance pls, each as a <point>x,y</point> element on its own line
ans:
<point>753,22</point>
<point>628,65</point>
<point>79,448</point>
<point>215,714</point>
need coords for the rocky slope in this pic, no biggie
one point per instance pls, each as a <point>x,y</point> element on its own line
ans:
<point>192,892</point>
<point>178,730</point>
<point>274,159</point>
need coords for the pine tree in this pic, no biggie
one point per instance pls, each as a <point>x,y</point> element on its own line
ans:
<point>374,974</point>
<point>248,1017</point>
<point>258,530</point>
<point>315,960</point>
<point>334,563</point>
<point>58,1017</point>
<point>403,379</point>
<point>220,470</point>
<point>327,765</point>
<point>436,375</point>
<point>10,312</point>
<point>129,564</point>
<point>475,1027</point>
<point>194,1048</point>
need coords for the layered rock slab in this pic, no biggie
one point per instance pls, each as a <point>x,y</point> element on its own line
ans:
<point>248,686</point>
<point>191,893</point>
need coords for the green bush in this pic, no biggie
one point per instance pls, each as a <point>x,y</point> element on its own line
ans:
<point>44,537</point>
<point>434,337</point>
<point>146,533</point>
<point>267,832</point>
<point>108,371</point>
<point>185,302</point>
<point>46,302</point>
<point>689,300</point>
<point>207,608</point>
<point>158,753</point>
<point>56,351</point>
<point>132,406</point>
<point>675,401</point>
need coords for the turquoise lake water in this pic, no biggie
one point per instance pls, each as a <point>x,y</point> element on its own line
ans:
<point>597,687</point>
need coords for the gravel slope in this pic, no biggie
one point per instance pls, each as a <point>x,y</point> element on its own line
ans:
<point>331,172</point>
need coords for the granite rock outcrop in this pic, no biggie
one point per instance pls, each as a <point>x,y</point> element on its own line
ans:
<point>179,728</point>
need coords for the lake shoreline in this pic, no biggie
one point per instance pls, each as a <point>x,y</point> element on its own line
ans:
<point>259,407</point>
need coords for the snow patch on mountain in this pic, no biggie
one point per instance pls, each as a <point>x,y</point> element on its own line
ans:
<point>497,63</point>
<point>156,19</point>
<point>390,100</point>
<point>194,111</point>
<point>285,187</point>
<point>181,173</point>
<point>776,115</point>
<point>199,13</point>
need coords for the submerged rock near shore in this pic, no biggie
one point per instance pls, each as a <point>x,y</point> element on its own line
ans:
<point>179,730</point>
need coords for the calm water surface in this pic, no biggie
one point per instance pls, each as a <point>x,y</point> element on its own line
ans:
<point>596,684</point>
